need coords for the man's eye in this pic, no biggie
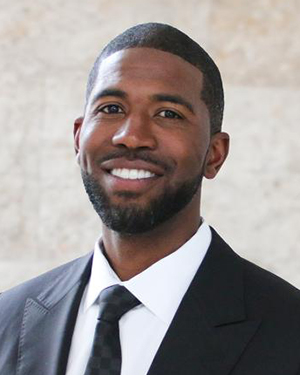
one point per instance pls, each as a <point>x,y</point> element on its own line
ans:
<point>170,114</point>
<point>111,109</point>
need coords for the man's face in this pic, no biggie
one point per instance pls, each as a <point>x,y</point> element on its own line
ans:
<point>143,145</point>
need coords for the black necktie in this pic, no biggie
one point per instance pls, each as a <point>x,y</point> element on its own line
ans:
<point>105,358</point>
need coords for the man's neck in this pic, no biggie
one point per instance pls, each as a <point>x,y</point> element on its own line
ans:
<point>131,254</point>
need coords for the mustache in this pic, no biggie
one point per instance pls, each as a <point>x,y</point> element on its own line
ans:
<point>136,155</point>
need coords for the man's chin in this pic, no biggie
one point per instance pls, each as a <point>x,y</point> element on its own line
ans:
<point>128,219</point>
<point>138,216</point>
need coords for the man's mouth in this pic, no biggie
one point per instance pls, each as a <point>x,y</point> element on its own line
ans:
<point>131,174</point>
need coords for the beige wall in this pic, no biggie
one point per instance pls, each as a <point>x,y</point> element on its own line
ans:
<point>47,48</point>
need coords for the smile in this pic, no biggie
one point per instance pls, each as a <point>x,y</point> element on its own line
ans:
<point>131,174</point>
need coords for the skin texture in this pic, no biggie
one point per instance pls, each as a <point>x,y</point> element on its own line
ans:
<point>153,108</point>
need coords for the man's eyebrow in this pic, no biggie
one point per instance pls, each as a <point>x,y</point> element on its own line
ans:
<point>109,92</point>
<point>177,99</point>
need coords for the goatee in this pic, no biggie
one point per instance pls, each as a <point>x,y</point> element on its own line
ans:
<point>132,219</point>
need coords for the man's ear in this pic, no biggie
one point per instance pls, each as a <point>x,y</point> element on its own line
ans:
<point>217,154</point>
<point>76,132</point>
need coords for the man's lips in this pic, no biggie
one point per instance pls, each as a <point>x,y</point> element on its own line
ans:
<point>131,174</point>
<point>132,169</point>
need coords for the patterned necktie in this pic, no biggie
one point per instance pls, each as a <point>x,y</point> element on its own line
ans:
<point>105,358</point>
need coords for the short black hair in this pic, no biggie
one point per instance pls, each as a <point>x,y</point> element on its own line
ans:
<point>169,39</point>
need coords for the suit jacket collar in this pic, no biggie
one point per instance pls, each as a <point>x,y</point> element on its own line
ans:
<point>210,330</point>
<point>49,319</point>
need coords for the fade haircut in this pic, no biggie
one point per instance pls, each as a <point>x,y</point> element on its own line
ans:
<point>169,39</point>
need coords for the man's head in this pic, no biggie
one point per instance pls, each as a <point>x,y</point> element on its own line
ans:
<point>169,39</point>
<point>145,141</point>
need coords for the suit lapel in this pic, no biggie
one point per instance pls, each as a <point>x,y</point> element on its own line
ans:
<point>210,330</point>
<point>48,322</point>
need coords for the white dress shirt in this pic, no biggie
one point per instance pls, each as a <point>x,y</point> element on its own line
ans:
<point>160,288</point>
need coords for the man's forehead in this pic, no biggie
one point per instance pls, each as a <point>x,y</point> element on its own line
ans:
<point>148,55</point>
<point>149,68</point>
<point>148,64</point>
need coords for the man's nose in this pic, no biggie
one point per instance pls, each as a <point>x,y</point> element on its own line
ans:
<point>135,132</point>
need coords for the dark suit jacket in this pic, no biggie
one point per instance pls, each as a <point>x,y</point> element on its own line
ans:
<point>235,319</point>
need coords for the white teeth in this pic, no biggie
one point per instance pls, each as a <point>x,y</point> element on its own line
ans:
<point>131,174</point>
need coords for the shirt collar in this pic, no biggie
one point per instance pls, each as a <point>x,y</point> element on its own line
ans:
<point>161,287</point>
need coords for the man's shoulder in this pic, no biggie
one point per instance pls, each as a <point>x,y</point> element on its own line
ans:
<point>262,288</point>
<point>15,298</point>
<point>43,292</point>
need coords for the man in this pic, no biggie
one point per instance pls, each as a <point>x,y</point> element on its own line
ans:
<point>150,132</point>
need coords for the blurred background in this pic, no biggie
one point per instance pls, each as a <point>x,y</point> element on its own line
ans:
<point>47,49</point>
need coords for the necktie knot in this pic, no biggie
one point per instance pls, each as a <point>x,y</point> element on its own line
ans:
<point>114,302</point>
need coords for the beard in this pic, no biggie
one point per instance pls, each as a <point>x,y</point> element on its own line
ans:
<point>132,219</point>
